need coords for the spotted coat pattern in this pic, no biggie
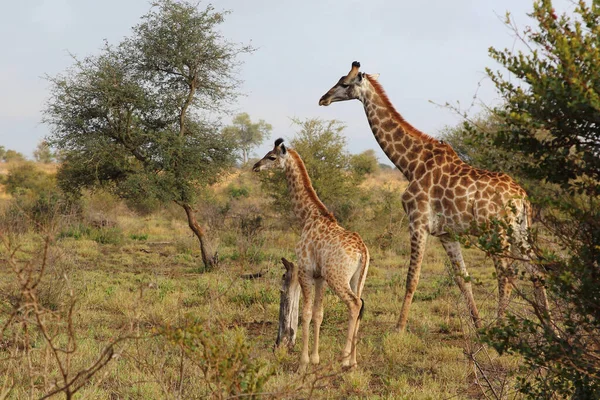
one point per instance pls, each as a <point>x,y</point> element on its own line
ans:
<point>444,194</point>
<point>326,253</point>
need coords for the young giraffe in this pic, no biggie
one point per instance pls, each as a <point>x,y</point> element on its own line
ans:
<point>326,253</point>
<point>444,195</point>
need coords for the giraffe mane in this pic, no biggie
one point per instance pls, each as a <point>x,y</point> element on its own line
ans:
<point>308,186</point>
<point>396,115</point>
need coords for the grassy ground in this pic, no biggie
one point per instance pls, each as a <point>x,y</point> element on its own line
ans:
<point>197,334</point>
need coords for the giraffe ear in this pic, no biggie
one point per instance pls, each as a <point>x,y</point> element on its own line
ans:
<point>374,76</point>
<point>283,149</point>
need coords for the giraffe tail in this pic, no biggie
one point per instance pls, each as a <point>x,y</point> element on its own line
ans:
<point>365,258</point>
<point>362,308</point>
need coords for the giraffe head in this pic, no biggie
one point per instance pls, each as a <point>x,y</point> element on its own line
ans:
<point>349,87</point>
<point>273,159</point>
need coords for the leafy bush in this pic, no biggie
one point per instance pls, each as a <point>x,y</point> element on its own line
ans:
<point>224,358</point>
<point>26,177</point>
<point>551,103</point>
<point>237,192</point>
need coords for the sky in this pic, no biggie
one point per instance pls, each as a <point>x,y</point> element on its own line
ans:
<point>428,52</point>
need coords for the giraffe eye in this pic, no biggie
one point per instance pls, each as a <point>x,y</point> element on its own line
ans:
<point>272,158</point>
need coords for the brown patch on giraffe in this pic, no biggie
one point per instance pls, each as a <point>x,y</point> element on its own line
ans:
<point>395,158</point>
<point>412,165</point>
<point>388,125</point>
<point>437,192</point>
<point>461,203</point>
<point>425,155</point>
<point>399,147</point>
<point>420,170</point>
<point>436,206</point>
<point>465,181</point>
<point>449,206</point>
<point>426,179</point>
<point>382,113</point>
<point>308,186</point>
<point>453,181</point>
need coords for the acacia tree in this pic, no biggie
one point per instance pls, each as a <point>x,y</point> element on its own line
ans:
<point>246,134</point>
<point>135,118</point>
<point>551,116</point>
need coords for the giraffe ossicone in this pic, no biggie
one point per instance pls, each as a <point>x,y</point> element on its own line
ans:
<point>444,195</point>
<point>326,253</point>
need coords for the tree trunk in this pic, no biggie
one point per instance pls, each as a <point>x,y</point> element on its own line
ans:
<point>210,261</point>
<point>289,304</point>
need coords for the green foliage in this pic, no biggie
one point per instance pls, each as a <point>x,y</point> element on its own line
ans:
<point>551,116</point>
<point>12,155</point>
<point>236,192</point>
<point>43,153</point>
<point>134,119</point>
<point>246,134</point>
<point>36,198</point>
<point>474,142</point>
<point>26,178</point>
<point>224,358</point>
<point>364,163</point>
<point>102,235</point>
<point>323,150</point>
<point>139,236</point>
<point>553,97</point>
<point>75,231</point>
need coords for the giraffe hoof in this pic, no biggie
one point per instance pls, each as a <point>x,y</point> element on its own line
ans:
<point>349,367</point>
<point>302,368</point>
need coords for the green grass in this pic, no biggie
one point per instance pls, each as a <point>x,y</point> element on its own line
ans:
<point>127,284</point>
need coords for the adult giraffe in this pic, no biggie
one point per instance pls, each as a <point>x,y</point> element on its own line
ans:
<point>444,194</point>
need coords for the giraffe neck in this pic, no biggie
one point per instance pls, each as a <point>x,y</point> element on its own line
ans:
<point>305,202</point>
<point>400,141</point>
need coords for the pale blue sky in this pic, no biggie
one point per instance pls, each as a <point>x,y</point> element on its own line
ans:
<point>426,51</point>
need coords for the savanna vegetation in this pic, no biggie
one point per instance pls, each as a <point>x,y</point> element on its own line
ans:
<point>145,263</point>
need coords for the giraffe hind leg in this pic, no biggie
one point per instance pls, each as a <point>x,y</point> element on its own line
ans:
<point>505,277</point>
<point>307,286</point>
<point>461,276</point>
<point>417,248</point>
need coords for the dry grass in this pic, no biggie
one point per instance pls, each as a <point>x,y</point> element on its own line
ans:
<point>148,279</point>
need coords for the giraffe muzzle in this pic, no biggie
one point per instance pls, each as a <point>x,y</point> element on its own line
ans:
<point>323,101</point>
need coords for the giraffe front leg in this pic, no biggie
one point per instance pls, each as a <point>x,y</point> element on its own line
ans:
<point>307,296</point>
<point>461,276</point>
<point>417,247</point>
<point>317,318</point>
<point>505,284</point>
